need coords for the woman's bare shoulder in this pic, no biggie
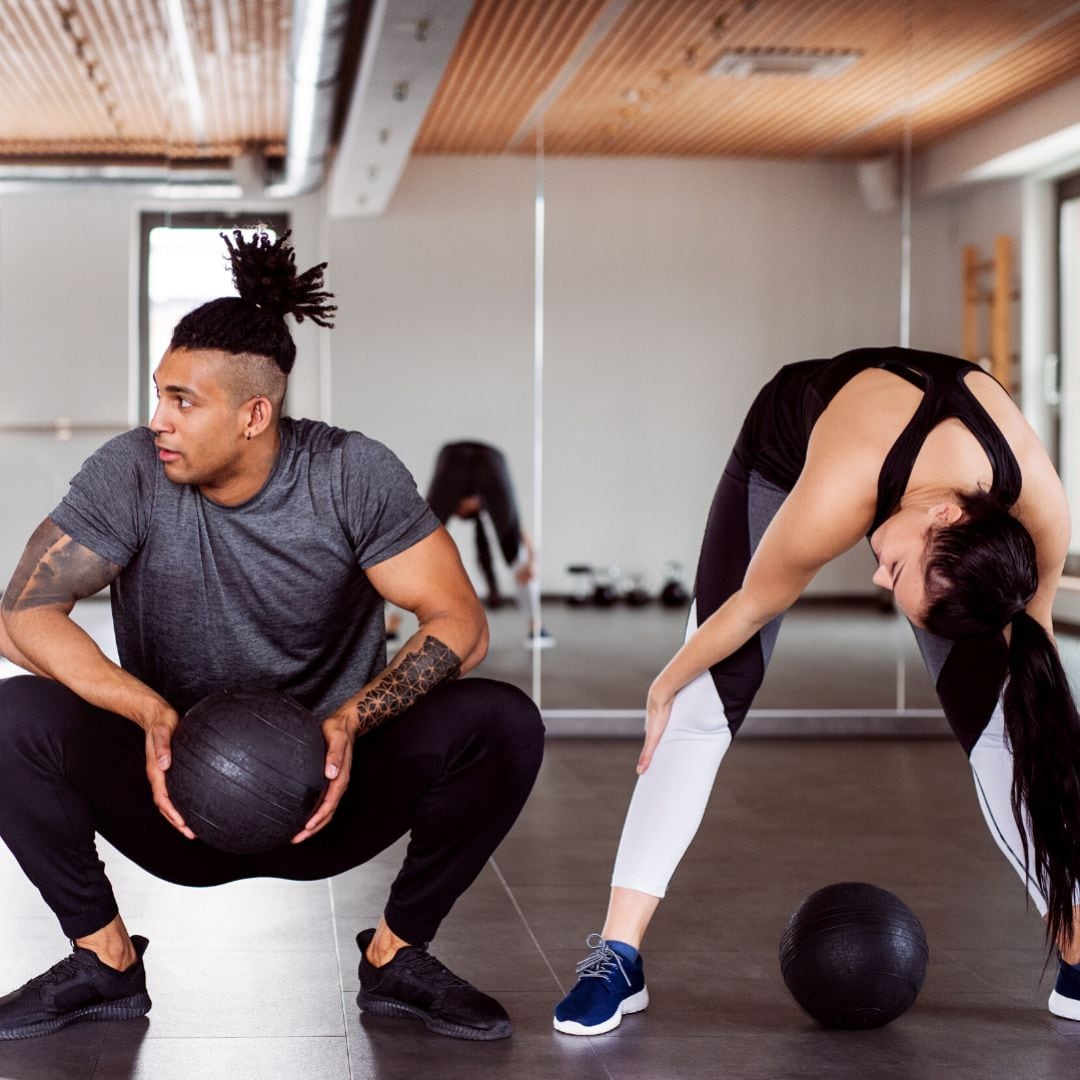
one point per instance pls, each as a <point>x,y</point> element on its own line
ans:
<point>863,420</point>
<point>1042,505</point>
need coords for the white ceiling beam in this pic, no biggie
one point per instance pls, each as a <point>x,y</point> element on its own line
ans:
<point>406,50</point>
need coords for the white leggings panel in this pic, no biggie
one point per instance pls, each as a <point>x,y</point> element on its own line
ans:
<point>992,767</point>
<point>669,799</point>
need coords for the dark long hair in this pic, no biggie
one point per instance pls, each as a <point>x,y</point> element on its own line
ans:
<point>981,574</point>
<point>265,275</point>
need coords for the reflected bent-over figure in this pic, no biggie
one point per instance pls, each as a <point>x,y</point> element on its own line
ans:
<point>472,481</point>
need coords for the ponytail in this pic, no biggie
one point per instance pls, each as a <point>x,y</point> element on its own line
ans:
<point>981,574</point>
<point>1043,729</point>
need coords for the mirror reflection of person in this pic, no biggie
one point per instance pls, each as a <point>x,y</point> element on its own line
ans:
<point>244,548</point>
<point>928,458</point>
<point>472,481</point>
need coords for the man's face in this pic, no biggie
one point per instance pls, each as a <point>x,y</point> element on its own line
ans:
<point>198,427</point>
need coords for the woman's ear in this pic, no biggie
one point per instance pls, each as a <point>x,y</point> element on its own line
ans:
<point>946,513</point>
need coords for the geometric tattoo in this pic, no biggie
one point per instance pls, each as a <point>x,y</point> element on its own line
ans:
<point>401,686</point>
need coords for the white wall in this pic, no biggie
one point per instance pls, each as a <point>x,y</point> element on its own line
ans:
<point>674,289</point>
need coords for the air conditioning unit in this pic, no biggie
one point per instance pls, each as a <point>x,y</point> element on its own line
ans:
<point>811,63</point>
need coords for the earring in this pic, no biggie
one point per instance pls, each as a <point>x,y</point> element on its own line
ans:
<point>249,436</point>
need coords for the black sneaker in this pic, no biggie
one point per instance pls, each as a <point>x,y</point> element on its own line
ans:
<point>415,984</point>
<point>79,987</point>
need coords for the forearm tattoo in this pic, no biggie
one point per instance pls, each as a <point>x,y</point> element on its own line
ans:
<point>56,570</point>
<point>399,687</point>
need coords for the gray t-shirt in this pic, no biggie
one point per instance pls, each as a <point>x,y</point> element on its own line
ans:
<point>271,593</point>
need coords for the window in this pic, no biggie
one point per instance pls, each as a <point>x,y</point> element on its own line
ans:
<point>183,264</point>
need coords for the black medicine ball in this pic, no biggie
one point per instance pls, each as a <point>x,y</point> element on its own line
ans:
<point>854,955</point>
<point>247,769</point>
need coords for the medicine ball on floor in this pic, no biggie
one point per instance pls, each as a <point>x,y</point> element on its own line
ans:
<point>247,769</point>
<point>854,955</point>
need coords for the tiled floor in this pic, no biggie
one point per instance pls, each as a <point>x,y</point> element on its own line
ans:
<point>258,979</point>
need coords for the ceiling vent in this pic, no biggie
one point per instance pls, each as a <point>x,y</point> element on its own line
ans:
<point>812,63</point>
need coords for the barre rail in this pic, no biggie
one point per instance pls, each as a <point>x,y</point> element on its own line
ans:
<point>63,428</point>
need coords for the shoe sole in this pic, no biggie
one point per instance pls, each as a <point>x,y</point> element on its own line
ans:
<point>129,1008</point>
<point>380,1006</point>
<point>1065,1007</point>
<point>635,1003</point>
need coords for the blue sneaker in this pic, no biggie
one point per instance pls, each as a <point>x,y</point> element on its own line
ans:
<point>1065,997</point>
<point>611,983</point>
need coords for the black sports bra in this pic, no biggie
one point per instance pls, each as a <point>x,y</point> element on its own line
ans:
<point>945,395</point>
<point>777,429</point>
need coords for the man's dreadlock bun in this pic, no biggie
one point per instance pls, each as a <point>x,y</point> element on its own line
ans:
<point>264,272</point>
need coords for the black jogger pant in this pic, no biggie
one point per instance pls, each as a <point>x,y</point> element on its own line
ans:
<point>453,771</point>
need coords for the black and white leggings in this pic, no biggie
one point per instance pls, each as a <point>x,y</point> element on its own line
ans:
<point>669,800</point>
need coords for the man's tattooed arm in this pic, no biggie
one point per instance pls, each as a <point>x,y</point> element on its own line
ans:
<point>399,687</point>
<point>55,571</point>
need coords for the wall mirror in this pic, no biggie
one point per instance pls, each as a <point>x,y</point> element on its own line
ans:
<point>726,192</point>
<point>592,227</point>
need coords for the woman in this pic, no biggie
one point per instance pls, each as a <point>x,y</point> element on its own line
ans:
<point>928,457</point>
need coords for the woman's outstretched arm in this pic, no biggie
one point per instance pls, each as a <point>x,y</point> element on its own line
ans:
<point>828,511</point>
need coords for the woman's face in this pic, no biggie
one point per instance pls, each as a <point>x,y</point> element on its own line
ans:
<point>899,544</point>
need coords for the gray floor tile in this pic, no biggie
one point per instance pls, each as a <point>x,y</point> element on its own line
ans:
<point>243,994</point>
<point>364,889</point>
<point>892,1053</point>
<point>224,1059</point>
<point>29,945</point>
<point>70,1054</point>
<point>390,1049</point>
<point>260,915</point>
<point>496,954</point>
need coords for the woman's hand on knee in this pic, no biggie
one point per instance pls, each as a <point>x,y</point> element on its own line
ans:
<point>159,729</point>
<point>657,712</point>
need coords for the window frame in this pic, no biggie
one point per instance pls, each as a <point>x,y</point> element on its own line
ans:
<point>217,220</point>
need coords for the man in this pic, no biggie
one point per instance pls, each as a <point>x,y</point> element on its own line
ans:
<point>243,547</point>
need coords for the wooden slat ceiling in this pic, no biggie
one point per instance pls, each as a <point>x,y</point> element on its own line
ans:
<point>642,88</point>
<point>98,78</point>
